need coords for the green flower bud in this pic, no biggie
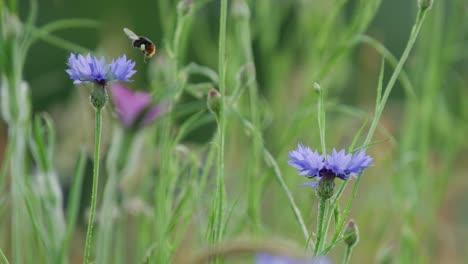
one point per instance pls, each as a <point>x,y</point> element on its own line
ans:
<point>240,9</point>
<point>325,188</point>
<point>317,88</point>
<point>246,74</point>
<point>351,234</point>
<point>214,101</point>
<point>12,27</point>
<point>425,4</point>
<point>184,7</point>
<point>98,97</point>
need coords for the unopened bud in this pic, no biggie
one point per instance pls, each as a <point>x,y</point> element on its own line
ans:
<point>214,101</point>
<point>351,234</point>
<point>11,24</point>
<point>98,97</point>
<point>317,87</point>
<point>246,74</point>
<point>425,4</point>
<point>240,9</point>
<point>184,7</point>
<point>325,188</point>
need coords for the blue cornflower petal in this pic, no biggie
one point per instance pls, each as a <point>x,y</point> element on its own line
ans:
<point>80,70</point>
<point>99,70</point>
<point>307,162</point>
<point>359,162</point>
<point>338,163</point>
<point>87,69</point>
<point>91,69</point>
<point>313,184</point>
<point>122,69</point>
<point>264,258</point>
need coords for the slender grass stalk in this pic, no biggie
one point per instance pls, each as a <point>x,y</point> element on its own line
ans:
<point>279,177</point>
<point>412,39</point>
<point>378,111</point>
<point>4,258</point>
<point>97,143</point>
<point>220,199</point>
<point>320,225</point>
<point>347,255</point>
<point>321,117</point>
<point>73,203</point>
<point>5,164</point>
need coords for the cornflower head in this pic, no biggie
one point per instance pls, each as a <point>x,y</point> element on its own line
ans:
<point>94,70</point>
<point>135,109</point>
<point>264,258</point>
<point>90,69</point>
<point>328,167</point>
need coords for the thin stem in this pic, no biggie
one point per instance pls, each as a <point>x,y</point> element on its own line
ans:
<point>97,144</point>
<point>321,119</point>
<point>320,222</point>
<point>378,111</point>
<point>3,257</point>
<point>221,121</point>
<point>346,211</point>
<point>379,108</point>
<point>347,255</point>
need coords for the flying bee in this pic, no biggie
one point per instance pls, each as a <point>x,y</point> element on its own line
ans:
<point>142,43</point>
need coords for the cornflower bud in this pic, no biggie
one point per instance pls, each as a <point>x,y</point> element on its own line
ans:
<point>351,234</point>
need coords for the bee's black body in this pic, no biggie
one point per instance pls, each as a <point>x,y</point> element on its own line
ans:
<point>142,41</point>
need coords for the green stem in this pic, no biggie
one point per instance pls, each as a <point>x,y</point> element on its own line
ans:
<point>3,257</point>
<point>321,119</point>
<point>221,121</point>
<point>97,144</point>
<point>347,255</point>
<point>320,223</point>
<point>378,111</point>
<point>379,108</point>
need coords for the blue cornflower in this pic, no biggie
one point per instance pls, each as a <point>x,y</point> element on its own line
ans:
<point>264,258</point>
<point>359,162</point>
<point>338,164</point>
<point>307,162</point>
<point>91,69</point>
<point>122,69</point>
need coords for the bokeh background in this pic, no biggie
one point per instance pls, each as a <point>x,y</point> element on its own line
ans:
<point>412,204</point>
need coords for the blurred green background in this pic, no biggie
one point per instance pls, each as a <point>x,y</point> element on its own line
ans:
<point>412,203</point>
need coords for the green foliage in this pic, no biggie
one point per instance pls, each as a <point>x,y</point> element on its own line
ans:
<point>184,189</point>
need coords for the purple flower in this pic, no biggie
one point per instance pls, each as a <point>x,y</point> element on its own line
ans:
<point>135,109</point>
<point>122,69</point>
<point>91,69</point>
<point>88,69</point>
<point>359,162</point>
<point>264,258</point>
<point>338,164</point>
<point>307,162</point>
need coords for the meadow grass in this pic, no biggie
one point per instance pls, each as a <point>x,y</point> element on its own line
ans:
<point>208,181</point>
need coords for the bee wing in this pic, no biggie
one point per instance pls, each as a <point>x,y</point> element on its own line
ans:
<point>130,34</point>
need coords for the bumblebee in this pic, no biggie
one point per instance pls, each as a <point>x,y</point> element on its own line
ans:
<point>142,43</point>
